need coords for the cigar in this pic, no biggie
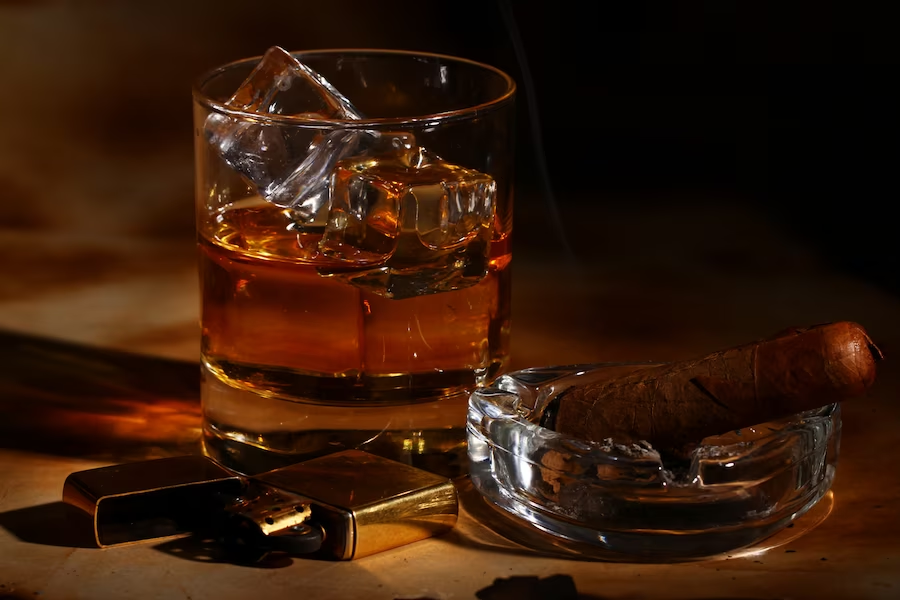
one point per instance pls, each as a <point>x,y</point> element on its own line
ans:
<point>674,406</point>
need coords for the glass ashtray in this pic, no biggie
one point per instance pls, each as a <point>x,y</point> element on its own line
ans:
<point>628,503</point>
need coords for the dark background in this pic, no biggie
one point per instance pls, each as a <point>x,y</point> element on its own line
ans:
<point>788,110</point>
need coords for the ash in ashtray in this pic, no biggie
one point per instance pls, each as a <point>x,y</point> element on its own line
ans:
<point>639,449</point>
<point>675,466</point>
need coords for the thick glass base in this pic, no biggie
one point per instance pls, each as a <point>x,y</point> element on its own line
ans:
<point>570,537</point>
<point>251,433</point>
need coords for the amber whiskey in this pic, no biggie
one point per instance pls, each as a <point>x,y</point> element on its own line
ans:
<point>286,324</point>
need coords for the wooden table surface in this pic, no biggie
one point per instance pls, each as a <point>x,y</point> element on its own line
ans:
<point>99,345</point>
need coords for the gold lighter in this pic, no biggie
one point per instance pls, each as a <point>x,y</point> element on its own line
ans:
<point>341,506</point>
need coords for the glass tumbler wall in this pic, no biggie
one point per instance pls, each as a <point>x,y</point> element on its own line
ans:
<point>365,316</point>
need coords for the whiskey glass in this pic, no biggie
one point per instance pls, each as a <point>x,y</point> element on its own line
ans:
<point>338,330</point>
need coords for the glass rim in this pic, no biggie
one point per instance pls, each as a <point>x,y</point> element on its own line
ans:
<point>503,99</point>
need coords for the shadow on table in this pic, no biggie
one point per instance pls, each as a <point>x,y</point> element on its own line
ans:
<point>554,587</point>
<point>53,524</point>
<point>69,399</point>
<point>206,549</point>
<point>61,524</point>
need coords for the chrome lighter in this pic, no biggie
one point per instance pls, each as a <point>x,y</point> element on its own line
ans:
<point>341,506</point>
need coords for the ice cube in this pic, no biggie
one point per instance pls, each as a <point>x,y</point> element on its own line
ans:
<point>281,84</point>
<point>306,188</point>
<point>415,223</point>
<point>289,166</point>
